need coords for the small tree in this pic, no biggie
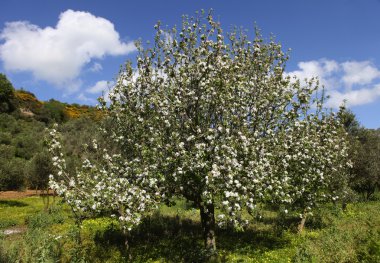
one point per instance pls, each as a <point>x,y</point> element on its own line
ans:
<point>41,167</point>
<point>7,98</point>
<point>349,122</point>
<point>365,155</point>
<point>104,185</point>
<point>12,174</point>
<point>366,163</point>
<point>313,168</point>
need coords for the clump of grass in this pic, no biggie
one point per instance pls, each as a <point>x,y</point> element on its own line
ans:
<point>52,216</point>
<point>18,210</point>
<point>38,244</point>
<point>7,222</point>
<point>351,236</point>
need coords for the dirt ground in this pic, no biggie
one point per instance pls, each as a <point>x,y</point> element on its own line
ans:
<point>19,194</point>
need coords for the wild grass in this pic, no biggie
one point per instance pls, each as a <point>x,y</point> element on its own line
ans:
<point>18,210</point>
<point>173,234</point>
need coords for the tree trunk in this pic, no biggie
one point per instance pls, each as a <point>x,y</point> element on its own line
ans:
<point>127,244</point>
<point>53,196</point>
<point>344,206</point>
<point>125,231</point>
<point>208,226</point>
<point>48,200</point>
<point>302,223</point>
<point>126,241</point>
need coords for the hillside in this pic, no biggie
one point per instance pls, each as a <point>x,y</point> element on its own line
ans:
<point>24,161</point>
<point>52,110</point>
<point>24,104</point>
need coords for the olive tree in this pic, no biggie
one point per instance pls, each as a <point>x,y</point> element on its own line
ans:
<point>7,98</point>
<point>212,117</point>
<point>366,169</point>
<point>365,153</point>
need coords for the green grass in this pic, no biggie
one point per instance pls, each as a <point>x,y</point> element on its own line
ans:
<point>173,234</point>
<point>18,210</point>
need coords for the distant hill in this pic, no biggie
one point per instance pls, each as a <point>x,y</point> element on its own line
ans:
<point>30,106</point>
<point>24,159</point>
<point>24,104</point>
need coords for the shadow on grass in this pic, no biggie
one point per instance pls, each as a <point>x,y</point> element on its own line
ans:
<point>12,203</point>
<point>176,239</point>
<point>166,237</point>
<point>180,240</point>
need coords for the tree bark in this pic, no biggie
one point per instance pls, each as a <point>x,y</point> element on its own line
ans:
<point>53,196</point>
<point>302,223</point>
<point>48,200</point>
<point>208,226</point>
<point>125,231</point>
<point>126,241</point>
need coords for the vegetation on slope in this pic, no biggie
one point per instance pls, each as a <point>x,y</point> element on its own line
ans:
<point>24,161</point>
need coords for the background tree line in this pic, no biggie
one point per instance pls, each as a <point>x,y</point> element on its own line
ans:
<point>365,156</point>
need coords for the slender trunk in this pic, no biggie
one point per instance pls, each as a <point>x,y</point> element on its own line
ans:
<point>53,196</point>
<point>302,223</point>
<point>48,200</point>
<point>43,198</point>
<point>77,252</point>
<point>125,230</point>
<point>126,242</point>
<point>208,226</point>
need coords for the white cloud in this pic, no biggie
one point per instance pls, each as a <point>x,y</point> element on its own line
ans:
<point>363,72</point>
<point>323,69</point>
<point>100,86</point>
<point>85,99</point>
<point>72,86</point>
<point>96,67</point>
<point>352,81</point>
<point>354,97</point>
<point>58,54</point>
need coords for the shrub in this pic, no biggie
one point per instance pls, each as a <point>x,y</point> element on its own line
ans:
<point>12,174</point>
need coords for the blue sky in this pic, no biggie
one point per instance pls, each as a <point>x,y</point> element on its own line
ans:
<point>72,50</point>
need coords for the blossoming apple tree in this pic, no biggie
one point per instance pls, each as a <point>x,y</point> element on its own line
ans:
<point>103,185</point>
<point>311,165</point>
<point>213,118</point>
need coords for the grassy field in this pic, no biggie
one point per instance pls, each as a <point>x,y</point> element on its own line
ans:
<point>173,234</point>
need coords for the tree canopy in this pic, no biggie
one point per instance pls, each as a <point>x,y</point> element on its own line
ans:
<point>211,117</point>
<point>6,94</point>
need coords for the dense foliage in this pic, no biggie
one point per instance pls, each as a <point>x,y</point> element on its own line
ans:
<point>7,99</point>
<point>20,140</point>
<point>24,162</point>
<point>365,154</point>
<point>367,163</point>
